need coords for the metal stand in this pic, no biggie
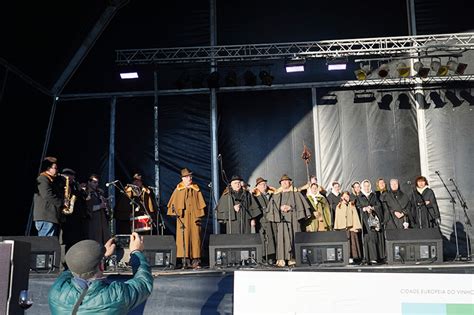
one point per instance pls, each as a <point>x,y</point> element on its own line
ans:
<point>182,234</point>
<point>453,202</point>
<point>467,221</point>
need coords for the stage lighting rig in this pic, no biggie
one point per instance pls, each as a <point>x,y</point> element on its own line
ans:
<point>266,78</point>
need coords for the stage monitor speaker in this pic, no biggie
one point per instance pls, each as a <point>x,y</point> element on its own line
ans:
<point>14,275</point>
<point>231,250</point>
<point>160,250</point>
<point>414,246</point>
<point>331,247</point>
<point>45,255</point>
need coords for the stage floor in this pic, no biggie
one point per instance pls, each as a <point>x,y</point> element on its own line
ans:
<point>211,291</point>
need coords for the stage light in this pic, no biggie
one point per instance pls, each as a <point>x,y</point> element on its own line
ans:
<point>436,98</point>
<point>457,68</point>
<point>363,72</point>
<point>420,98</point>
<point>403,101</point>
<point>438,68</point>
<point>336,64</point>
<point>231,78</point>
<point>403,70</point>
<point>383,70</point>
<point>467,96</point>
<point>250,78</point>
<point>328,99</point>
<point>421,70</point>
<point>385,101</point>
<point>364,97</point>
<point>213,80</point>
<point>451,96</point>
<point>128,75</point>
<point>295,65</point>
<point>266,78</point>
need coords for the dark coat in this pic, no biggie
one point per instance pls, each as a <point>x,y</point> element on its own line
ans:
<point>237,222</point>
<point>47,200</point>
<point>397,201</point>
<point>426,214</point>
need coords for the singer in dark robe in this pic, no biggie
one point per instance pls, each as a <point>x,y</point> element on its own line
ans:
<point>370,209</point>
<point>263,195</point>
<point>334,197</point>
<point>427,211</point>
<point>287,208</point>
<point>236,208</point>
<point>398,210</point>
<point>187,203</point>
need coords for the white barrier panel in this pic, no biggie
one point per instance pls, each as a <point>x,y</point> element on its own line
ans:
<point>263,292</point>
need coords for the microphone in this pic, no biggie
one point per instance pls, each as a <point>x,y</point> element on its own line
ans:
<point>219,156</point>
<point>408,182</point>
<point>111,183</point>
<point>209,185</point>
<point>437,172</point>
<point>450,179</point>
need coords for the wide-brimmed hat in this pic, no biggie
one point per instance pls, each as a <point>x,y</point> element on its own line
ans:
<point>259,180</point>
<point>137,176</point>
<point>68,171</point>
<point>285,177</point>
<point>84,257</point>
<point>236,177</point>
<point>185,172</point>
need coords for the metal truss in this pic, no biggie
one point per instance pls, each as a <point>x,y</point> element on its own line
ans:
<point>383,46</point>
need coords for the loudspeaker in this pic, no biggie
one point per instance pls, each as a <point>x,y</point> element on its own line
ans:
<point>229,250</point>
<point>45,256</point>
<point>160,250</point>
<point>14,275</point>
<point>414,245</point>
<point>331,247</point>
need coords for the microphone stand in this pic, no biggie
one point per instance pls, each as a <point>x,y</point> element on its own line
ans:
<point>467,221</point>
<point>182,234</point>
<point>133,203</point>
<point>453,202</point>
<point>161,222</point>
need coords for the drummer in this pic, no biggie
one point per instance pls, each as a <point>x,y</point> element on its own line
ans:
<point>143,209</point>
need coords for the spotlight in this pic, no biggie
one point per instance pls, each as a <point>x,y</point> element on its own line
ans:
<point>436,98</point>
<point>421,70</point>
<point>128,75</point>
<point>364,97</point>
<point>336,64</point>
<point>404,101</point>
<point>383,70</point>
<point>467,96</point>
<point>420,98</point>
<point>328,99</point>
<point>295,65</point>
<point>231,78</point>
<point>385,101</point>
<point>266,78</point>
<point>451,96</point>
<point>213,80</point>
<point>458,68</point>
<point>439,69</point>
<point>403,70</point>
<point>250,78</point>
<point>363,72</point>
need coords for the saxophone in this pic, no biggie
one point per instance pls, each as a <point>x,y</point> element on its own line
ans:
<point>69,199</point>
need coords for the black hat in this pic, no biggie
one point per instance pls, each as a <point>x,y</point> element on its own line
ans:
<point>236,177</point>
<point>84,257</point>
<point>137,176</point>
<point>285,177</point>
<point>259,180</point>
<point>68,171</point>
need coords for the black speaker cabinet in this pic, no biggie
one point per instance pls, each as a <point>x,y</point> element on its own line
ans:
<point>331,247</point>
<point>14,275</point>
<point>229,250</point>
<point>160,250</point>
<point>414,245</point>
<point>45,255</point>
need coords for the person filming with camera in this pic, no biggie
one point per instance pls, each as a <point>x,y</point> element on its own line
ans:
<point>83,289</point>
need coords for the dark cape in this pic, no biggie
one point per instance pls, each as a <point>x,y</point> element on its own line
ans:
<point>237,222</point>
<point>393,201</point>
<point>373,239</point>
<point>426,214</point>
<point>267,229</point>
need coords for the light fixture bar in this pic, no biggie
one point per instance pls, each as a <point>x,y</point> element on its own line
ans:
<point>129,75</point>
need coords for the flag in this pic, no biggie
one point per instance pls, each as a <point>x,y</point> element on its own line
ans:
<point>306,155</point>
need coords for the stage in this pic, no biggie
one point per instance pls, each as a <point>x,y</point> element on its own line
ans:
<point>211,291</point>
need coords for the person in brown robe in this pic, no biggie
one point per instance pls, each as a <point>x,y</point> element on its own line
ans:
<point>287,208</point>
<point>187,204</point>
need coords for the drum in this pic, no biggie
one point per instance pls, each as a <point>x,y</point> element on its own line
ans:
<point>141,223</point>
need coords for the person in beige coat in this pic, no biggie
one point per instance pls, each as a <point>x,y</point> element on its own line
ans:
<point>347,219</point>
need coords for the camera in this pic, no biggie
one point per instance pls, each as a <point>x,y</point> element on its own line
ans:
<point>122,240</point>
